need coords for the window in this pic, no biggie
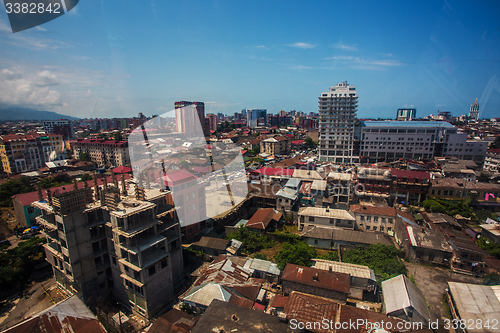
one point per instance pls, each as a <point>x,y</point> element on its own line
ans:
<point>381,228</point>
<point>375,219</point>
<point>389,229</point>
<point>389,220</point>
<point>315,242</point>
<point>362,218</point>
<point>367,227</point>
<point>311,218</point>
<point>374,228</point>
<point>164,263</point>
<point>332,221</point>
<point>152,270</point>
<point>368,218</point>
<point>383,220</point>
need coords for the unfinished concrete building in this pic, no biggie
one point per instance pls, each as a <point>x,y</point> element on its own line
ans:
<point>114,240</point>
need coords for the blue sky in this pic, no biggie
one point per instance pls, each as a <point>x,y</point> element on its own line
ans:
<point>115,58</point>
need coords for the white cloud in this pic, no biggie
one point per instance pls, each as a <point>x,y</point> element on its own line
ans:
<point>46,78</point>
<point>73,12</point>
<point>345,47</point>
<point>368,63</point>
<point>261,47</point>
<point>28,90</point>
<point>301,45</point>
<point>33,42</point>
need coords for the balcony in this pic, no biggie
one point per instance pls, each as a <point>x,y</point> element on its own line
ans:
<point>142,246</point>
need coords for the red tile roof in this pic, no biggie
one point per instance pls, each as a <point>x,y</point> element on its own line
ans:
<point>373,210</point>
<point>410,174</point>
<point>316,277</point>
<point>274,171</point>
<point>26,199</point>
<point>310,309</point>
<point>122,169</point>
<point>262,218</point>
<point>177,177</point>
<point>279,301</point>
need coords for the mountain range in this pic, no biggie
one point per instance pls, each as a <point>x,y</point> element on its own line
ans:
<point>18,114</point>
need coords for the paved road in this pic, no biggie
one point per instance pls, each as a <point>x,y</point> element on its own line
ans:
<point>26,307</point>
<point>432,282</point>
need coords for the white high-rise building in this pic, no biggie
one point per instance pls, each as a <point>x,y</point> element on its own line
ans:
<point>337,113</point>
<point>256,117</point>
<point>474,111</point>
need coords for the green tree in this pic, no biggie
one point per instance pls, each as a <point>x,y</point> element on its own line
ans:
<point>184,164</point>
<point>310,143</point>
<point>383,259</point>
<point>493,249</point>
<point>85,157</point>
<point>17,263</point>
<point>495,144</point>
<point>13,187</point>
<point>299,253</point>
<point>332,255</point>
<point>483,178</point>
<point>492,279</point>
<point>117,136</point>
<point>256,150</point>
<point>85,177</point>
<point>251,241</point>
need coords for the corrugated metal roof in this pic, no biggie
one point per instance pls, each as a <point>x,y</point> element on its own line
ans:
<point>476,302</point>
<point>343,267</point>
<point>401,293</point>
<point>205,293</point>
<point>325,212</point>
<point>288,193</point>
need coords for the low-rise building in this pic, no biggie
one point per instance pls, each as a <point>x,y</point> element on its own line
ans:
<point>326,217</point>
<point>374,218</point>
<point>279,145</point>
<point>423,244</point>
<point>491,231</point>
<point>264,220</point>
<point>340,186</point>
<point>216,246</point>
<point>402,299</point>
<point>473,303</point>
<point>334,286</point>
<point>333,238</point>
<point>362,278</point>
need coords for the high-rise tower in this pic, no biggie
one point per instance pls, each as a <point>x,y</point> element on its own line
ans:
<point>337,111</point>
<point>185,118</point>
<point>474,111</point>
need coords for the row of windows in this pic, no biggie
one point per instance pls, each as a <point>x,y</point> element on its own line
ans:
<point>375,219</point>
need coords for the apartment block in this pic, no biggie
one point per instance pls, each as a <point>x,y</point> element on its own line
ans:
<point>114,240</point>
<point>62,127</point>
<point>107,153</point>
<point>337,113</point>
<point>279,145</point>
<point>394,140</point>
<point>190,118</point>
<point>22,153</point>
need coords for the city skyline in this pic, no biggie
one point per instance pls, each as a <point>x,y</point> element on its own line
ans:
<point>102,60</point>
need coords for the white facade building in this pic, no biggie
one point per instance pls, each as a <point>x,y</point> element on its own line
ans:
<point>337,111</point>
<point>474,111</point>
<point>392,140</point>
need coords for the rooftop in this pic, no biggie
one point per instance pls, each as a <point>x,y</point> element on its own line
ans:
<point>373,210</point>
<point>226,317</point>
<point>316,278</point>
<point>423,237</point>
<point>476,302</point>
<point>326,212</point>
<point>346,268</point>
<point>406,124</point>
<point>308,308</point>
<point>262,218</point>
<point>401,293</point>
<point>352,236</point>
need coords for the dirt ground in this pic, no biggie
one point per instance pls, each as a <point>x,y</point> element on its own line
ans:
<point>432,281</point>
<point>18,308</point>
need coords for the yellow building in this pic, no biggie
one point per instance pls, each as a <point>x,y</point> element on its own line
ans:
<point>29,152</point>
